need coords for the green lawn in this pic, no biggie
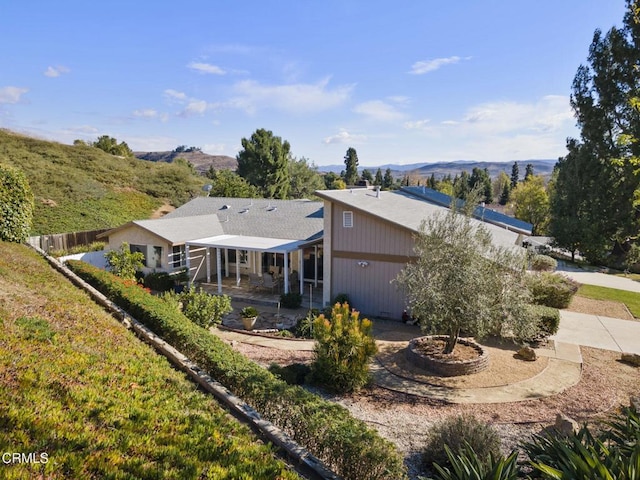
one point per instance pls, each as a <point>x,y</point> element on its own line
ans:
<point>80,389</point>
<point>630,299</point>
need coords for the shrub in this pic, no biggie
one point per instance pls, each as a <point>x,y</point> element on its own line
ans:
<point>466,465</point>
<point>16,205</point>
<point>304,325</point>
<point>346,445</point>
<point>551,290</point>
<point>344,346</point>
<point>124,263</point>
<point>543,263</point>
<point>200,307</point>
<point>159,281</point>
<point>294,374</point>
<point>341,298</point>
<point>457,432</point>
<point>291,300</point>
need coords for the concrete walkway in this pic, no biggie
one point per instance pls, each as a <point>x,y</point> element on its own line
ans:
<point>599,332</point>
<point>596,278</point>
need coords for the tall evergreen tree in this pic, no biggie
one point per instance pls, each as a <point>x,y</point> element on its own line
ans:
<point>264,162</point>
<point>515,175</point>
<point>378,180</point>
<point>387,181</point>
<point>528,173</point>
<point>595,207</point>
<point>351,162</point>
<point>368,176</point>
<point>432,181</point>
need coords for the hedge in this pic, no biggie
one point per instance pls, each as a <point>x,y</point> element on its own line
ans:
<point>346,445</point>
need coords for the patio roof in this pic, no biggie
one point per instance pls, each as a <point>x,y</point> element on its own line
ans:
<point>244,242</point>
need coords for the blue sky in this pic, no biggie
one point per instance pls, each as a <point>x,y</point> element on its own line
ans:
<point>401,82</point>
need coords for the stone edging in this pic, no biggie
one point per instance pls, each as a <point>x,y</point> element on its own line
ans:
<point>259,334</point>
<point>448,368</point>
<point>304,460</point>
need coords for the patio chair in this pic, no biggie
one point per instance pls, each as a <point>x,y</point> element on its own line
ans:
<point>269,282</point>
<point>255,280</point>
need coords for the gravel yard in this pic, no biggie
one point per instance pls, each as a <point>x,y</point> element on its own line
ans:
<point>405,419</point>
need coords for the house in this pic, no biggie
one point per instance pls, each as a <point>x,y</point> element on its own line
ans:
<point>221,236</point>
<point>369,238</point>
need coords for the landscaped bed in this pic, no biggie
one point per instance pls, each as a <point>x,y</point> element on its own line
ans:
<point>82,397</point>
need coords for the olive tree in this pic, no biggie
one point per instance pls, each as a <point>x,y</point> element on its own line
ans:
<point>462,282</point>
<point>124,263</point>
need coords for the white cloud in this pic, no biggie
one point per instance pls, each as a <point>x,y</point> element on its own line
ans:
<point>11,94</point>
<point>54,72</point>
<point>294,98</point>
<point>425,66</point>
<point>417,124</point>
<point>81,130</point>
<point>378,110</point>
<point>195,107</point>
<point>145,113</point>
<point>175,95</point>
<point>550,113</point>
<point>214,148</point>
<point>206,68</point>
<point>344,137</point>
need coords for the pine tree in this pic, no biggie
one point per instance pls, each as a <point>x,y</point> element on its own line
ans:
<point>595,207</point>
<point>351,162</point>
<point>515,175</point>
<point>528,172</point>
<point>378,180</point>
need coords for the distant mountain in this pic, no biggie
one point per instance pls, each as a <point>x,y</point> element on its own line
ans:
<point>440,169</point>
<point>201,161</point>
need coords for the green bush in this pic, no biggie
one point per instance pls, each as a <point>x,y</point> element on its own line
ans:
<point>548,319</point>
<point>459,432</point>
<point>466,465</point>
<point>123,262</point>
<point>249,312</point>
<point>611,453</point>
<point>304,325</point>
<point>294,374</point>
<point>341,298</point>
<point>159,281</point>
<point>291,300</point>
<point>200,307</point>
<point>16,205</point>
<point>551,290</point>
<point>344,346</point>
<point>346,445</point>
<point>543,263</point>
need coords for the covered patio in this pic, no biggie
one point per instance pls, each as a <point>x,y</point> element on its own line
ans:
<point>227,261</point>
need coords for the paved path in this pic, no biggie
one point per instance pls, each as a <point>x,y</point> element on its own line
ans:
<point>599,279</point>
<point>599,332</point>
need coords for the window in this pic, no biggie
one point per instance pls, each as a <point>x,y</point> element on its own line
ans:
<point>243,256</point>
<point>177,256</point>
<point>139,249</point>
<point>347,219</point>
<point>156,258</point>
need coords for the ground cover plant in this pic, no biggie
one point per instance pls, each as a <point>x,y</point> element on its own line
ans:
<point>77,386</point>
<point>630,299</point>
<point>83,188</point>
<point>347,445</point>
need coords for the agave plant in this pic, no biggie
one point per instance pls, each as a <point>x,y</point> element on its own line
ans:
<point>467,465</point>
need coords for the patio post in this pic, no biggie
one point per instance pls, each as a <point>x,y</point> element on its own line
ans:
<point>286,272</point>
<point>301,270</point>
<point>187,264</point>
<point>219,269</point>
<point>208,262</point>
<point>237,267</point>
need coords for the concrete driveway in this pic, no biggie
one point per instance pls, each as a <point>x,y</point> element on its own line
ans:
<point>597,278</point>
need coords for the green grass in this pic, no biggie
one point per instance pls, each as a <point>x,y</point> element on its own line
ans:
<point>76,385</point>
<point>633,276</point>
<point>630,299</point>
<point>83,188</point>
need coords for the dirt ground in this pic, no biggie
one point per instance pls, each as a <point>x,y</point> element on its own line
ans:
<point>600,307</point>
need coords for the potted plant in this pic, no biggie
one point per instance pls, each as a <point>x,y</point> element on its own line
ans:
<point>249,316</point>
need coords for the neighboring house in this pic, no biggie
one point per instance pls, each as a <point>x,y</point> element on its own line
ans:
<point>369,238</point>
<point>216,237</point>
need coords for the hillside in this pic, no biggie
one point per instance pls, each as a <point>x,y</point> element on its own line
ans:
<point>440,169</point>
<point>79,390</point>
<point>201,161</point>
<point>83,188</point>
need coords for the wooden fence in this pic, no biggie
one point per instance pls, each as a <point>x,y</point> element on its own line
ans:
<point>65,241</point>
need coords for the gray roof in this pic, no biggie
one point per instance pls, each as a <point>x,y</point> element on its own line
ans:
<point>177,230</point>
<point>256,217</point>
<point>406,210</point>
